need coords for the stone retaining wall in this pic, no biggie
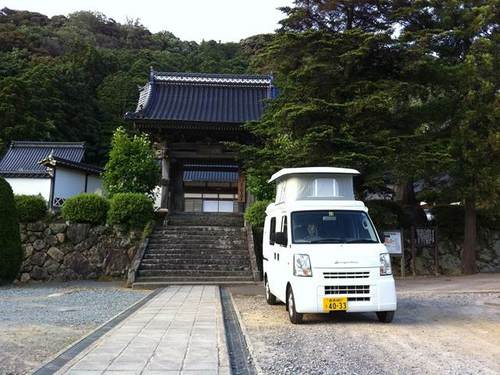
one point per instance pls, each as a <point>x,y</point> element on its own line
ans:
<point>62,251</point>
<point>450,250</point>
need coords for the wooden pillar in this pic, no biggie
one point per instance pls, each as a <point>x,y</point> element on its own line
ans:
<point>241,193</point>
<point>165,177</point>
<point>413,251</point>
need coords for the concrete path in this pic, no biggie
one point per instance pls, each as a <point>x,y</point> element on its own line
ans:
<point>180,331</point>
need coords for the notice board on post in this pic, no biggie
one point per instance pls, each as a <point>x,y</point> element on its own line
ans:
<point>393,241</point>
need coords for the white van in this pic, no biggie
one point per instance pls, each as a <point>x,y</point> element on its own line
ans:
<point>321,250</point>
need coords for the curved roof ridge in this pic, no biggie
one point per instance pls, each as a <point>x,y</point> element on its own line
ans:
<point>46,144</point>
<point>217,78</point>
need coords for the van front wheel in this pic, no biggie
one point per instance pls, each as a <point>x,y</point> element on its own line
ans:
<point>385,316</point>
<point>270,298</point>
<point>295,317</point>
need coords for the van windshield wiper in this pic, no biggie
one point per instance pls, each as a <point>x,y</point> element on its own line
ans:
<point>327,240</point>
<point>360,240</point>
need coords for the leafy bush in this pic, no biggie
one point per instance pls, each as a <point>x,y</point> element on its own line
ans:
<point>256,213</point>
<point>86,208</point>
<point>386,214</point>
<point>132,209</point>
<point>30,208</point>
<point>11,254</point>
<point>132,167</point>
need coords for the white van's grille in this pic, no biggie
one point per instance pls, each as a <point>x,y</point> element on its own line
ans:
<point>358,299</point>
<point>347,289</point>
<point>347,275</point>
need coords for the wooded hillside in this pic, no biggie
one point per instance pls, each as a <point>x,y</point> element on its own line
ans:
<point>72,78</point>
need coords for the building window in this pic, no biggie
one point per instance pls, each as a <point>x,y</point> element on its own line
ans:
<point>209,202</point>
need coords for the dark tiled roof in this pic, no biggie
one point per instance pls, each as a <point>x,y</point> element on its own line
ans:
<point>210,176</point>
<point>200,97</point>
<point>54,161</point>
<point>22,158</point>
<point>210,172</point>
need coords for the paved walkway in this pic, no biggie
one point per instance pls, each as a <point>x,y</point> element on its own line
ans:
<point>180,331</point>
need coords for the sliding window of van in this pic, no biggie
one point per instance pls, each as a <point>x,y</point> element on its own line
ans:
<point>272,231</point>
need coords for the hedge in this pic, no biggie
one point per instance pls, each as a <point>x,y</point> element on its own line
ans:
<point>11,254</point>
<point>256,213</point>
<point>132,209</point>
<point>30,208</point>
<point>86,208</point>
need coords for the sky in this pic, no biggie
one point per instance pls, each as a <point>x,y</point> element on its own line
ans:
<point>220,20</point>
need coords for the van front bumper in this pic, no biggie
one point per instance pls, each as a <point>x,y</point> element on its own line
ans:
<point>363,295</point>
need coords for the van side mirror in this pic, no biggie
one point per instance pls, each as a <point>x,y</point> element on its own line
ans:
<point>381,236</point>
<point>280,238</point>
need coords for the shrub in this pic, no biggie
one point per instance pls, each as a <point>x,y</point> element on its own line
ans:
<point>132,209</point>
<point>132,167</point>
<point>30,208</point>
<point>386,214</point>
<point>256,213</point>
<point>11,254</point>
<point>86,208</point>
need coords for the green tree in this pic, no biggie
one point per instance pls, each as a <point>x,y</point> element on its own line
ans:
<point>132,167</point>
<point>459,41</point>
<point>334,108</point>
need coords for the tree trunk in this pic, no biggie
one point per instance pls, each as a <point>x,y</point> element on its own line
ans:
<point>404,193</point>
<point>469,252</point>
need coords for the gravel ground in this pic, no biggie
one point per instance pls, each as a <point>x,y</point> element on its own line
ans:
<point>37,321</point>
<point>432,333</point>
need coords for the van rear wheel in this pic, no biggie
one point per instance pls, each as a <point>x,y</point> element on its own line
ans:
<point>295,317</point>
<point>270,298</point>
<point>385,316</point>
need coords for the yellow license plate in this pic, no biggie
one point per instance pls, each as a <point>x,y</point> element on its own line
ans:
<point>335,304</point>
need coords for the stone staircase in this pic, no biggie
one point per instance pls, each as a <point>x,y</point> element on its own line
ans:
<point>197,248</point>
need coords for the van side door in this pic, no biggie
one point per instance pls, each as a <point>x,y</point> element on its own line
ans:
<point>282,261</point>
<point>269,254</point>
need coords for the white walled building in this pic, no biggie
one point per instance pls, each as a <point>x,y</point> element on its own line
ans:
<point>52,169</point>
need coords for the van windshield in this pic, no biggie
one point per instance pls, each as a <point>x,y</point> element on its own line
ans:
<point>332,227</point>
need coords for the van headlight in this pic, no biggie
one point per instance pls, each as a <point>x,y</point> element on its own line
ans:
<point>385,264</point>
<point>302,265</point>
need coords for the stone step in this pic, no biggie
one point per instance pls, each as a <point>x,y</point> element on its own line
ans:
<point>179,258</point>
<point>195,254</point>
<point>214,241</point>
<point>195,267</point>
<point>196,237</point>
<point>206,219</point>
<point>193,273</point>
<point>198,229</point>
<point>193,247</point>
<point>203,259</point>
<point>158,282</point>
<point>215,281</point>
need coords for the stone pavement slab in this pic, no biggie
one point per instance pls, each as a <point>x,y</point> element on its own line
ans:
<point>180,331</point>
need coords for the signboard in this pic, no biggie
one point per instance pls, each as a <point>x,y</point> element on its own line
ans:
<point>425,237</point>
<point>393,242</point>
